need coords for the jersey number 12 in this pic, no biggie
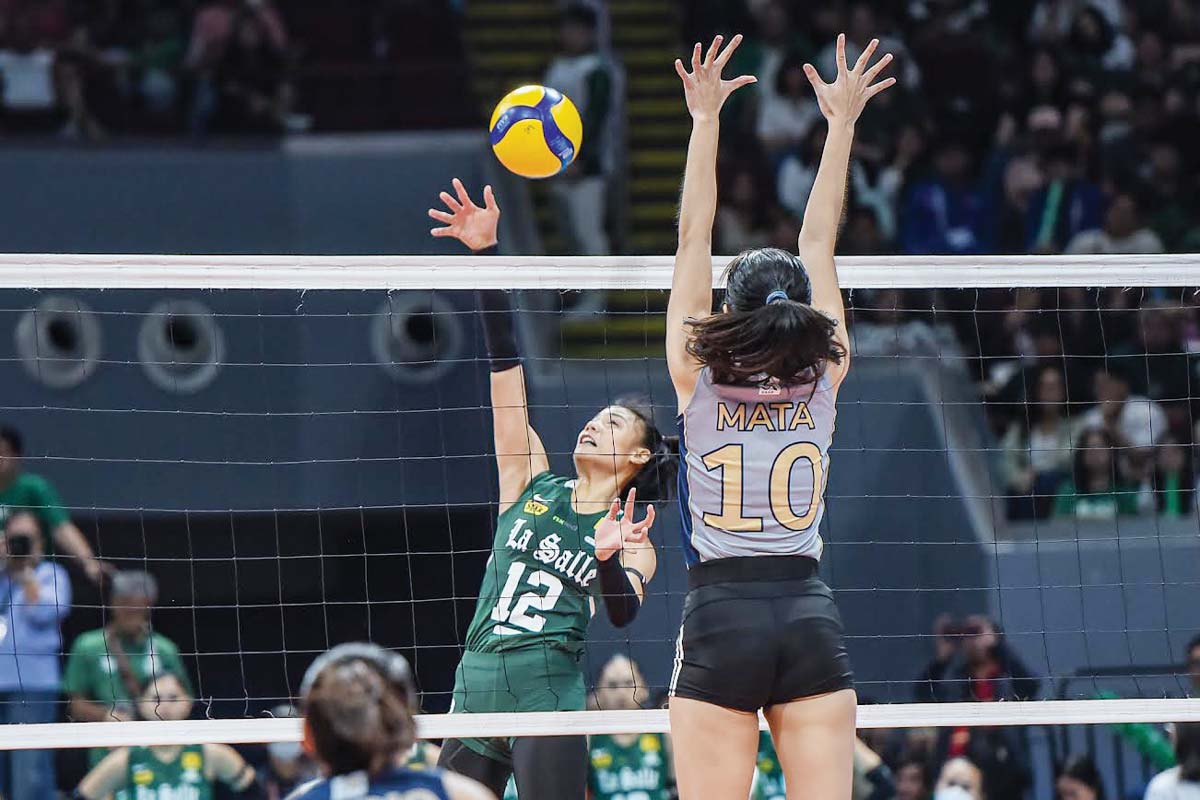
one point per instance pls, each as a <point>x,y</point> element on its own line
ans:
<point>520,617</point>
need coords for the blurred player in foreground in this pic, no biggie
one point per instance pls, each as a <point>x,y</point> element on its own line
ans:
<point>757,384</point>
<point>358,723</point>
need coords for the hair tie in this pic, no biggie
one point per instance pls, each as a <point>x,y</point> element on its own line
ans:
<point>777,296</point>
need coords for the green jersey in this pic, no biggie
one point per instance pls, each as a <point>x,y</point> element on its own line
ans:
<point>768,778</point>
<point>92,671</point>
<point>636,771</point>
<point>182,778</point>
<point>539,583</point>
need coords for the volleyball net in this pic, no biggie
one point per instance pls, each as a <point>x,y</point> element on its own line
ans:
<point>298,449</point>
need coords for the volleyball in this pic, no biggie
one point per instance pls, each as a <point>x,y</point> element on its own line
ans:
<point>536,131</point>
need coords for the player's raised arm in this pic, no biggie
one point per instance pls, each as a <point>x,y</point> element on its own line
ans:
<point>841,103</point>
<point>691,285</point>
<point>520,454</point>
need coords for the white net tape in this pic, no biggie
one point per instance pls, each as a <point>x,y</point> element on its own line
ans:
<point>52,271</point>
<point>438,726</point>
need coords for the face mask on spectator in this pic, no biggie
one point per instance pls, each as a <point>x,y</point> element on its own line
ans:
<point>953,793</point>
<point>284,751</point>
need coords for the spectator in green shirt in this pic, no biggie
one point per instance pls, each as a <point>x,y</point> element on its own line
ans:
<point>109,667</point>
<point>20,490</point>
<point>1098,488</point>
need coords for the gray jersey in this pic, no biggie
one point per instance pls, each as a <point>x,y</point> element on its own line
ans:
<point>755,460</point>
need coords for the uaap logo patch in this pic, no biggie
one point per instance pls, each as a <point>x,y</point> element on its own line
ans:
<point>649,743</point>
<point>602,759</point>
<point>191,761</point>
<point>143,776</point>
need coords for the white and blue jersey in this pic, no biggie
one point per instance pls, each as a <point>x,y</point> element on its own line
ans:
<point>392,784</point>
<point>754,462</point>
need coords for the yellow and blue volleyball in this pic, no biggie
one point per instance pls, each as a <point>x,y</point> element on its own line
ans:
<point>536,131</point>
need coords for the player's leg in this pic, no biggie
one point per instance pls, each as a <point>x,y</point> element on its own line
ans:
<point>551,767</point>
<point>714,750</point>
<point>457,757</point>
<point>812,705</point>
<point>725,661</point>
<point>814,739</point>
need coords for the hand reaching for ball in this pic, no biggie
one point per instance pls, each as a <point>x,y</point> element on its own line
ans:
<point>844,100</point>
<point>703,88</point>
<point>473,226</point>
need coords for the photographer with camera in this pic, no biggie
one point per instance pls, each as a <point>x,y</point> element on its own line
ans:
<point>22,490</point>
<point>35,596</point>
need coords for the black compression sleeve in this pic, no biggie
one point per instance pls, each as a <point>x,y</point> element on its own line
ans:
<point>499,335</point>
<point>620,599</point>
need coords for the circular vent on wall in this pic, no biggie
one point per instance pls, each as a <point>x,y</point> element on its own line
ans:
<point>416,337</point>
<point>59,342</point>
<point>181,346</point>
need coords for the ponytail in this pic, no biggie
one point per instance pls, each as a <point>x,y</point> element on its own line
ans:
<point>784,340</point>
<point>769,330</point>
<point>656,479</point>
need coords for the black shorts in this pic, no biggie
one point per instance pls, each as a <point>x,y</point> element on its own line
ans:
<point>757,632</point>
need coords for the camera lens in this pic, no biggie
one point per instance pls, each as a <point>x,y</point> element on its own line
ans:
<point>19,546</point>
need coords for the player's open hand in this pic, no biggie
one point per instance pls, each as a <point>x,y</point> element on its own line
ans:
<point>845,98</point>
<point>473,226</point>
<point>614,535</point>
<point>703,87</point>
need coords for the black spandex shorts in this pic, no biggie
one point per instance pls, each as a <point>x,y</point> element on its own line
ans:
<point>757,632</point>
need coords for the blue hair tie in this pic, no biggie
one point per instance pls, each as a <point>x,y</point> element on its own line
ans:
<point>777,296</point>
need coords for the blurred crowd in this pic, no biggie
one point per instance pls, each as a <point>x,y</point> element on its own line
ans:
<point>83,70</point>
<point>95,70</point>
<point>1095,408</point>
<point>1028,126</point>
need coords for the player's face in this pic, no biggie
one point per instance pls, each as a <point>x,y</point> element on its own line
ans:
<point>612,439</point>
<point>165,699</point>
<point>619,686</point>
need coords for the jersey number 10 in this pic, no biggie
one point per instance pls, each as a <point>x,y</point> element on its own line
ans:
<point>728,459</point>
